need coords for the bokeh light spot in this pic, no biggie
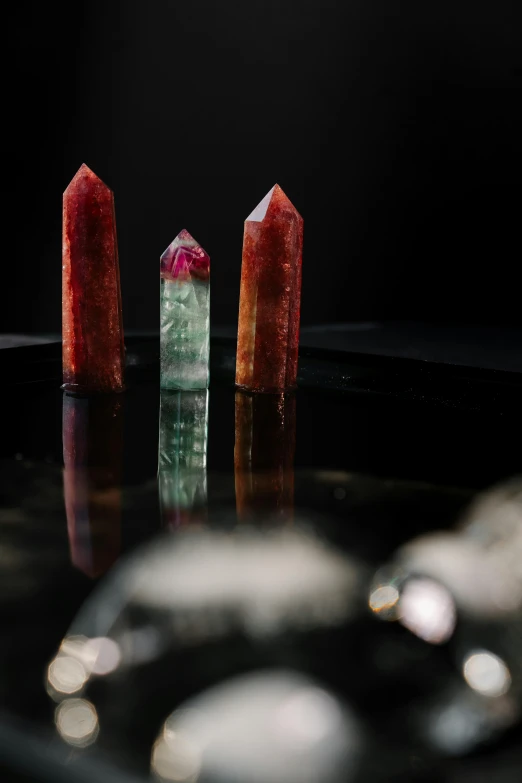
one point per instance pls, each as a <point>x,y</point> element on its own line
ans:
<point>487,674</point>
<point>428,610</point>
<point>77,722</point>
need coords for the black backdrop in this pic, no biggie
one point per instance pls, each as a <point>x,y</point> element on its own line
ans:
<point>392,126</point>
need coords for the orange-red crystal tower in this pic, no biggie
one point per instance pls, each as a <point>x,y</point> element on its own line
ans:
<point>270,298</point>
<point>93,349</point>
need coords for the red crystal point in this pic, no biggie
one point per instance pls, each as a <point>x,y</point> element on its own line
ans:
<point>93,456</point>
<point>270,297</point>
<point>93,349</point>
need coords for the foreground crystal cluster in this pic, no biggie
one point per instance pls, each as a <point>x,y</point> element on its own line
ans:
<point>93,348</point>
<point>270,297</point>
<point>184,315</point>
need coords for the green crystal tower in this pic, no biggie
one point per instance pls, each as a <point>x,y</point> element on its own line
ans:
<point>182,459</point>
<point>184,314</point>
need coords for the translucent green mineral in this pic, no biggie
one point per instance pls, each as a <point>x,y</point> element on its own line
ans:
<point>184,314</point>
<point>182,458</point>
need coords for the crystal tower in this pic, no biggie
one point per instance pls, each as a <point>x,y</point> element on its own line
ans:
<point>270,296</point>
<point>93,350</point>
<point>184,315</point>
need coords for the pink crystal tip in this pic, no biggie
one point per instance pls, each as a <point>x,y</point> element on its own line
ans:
<point>184,258</point>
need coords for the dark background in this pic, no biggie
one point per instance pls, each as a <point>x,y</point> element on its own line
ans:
<point>393,127</point>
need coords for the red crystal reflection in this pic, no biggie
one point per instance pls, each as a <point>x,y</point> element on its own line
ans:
<point>264,455</point>
<point>184,258</point>
<point>270,298</point>
<point>92,455</point>
<point>93,349</point>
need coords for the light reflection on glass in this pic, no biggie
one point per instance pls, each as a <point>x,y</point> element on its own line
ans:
<point>462,720</point>
<point>92,433</point>
<point>77,659</point>
<point>481,562</point>
<point>66,675</point>
<point>487,674</point>
<point>106,655</point>
<point>175,758</point>
<point>264,451</point>
<point>207,584</point>
<point>182,458</point>
<point>427,609</point>
<point>481,585</point>
<point>307,717</point>
<point>269,727</point>
<point>77,722</point>
<point>266,581</point>
<point>456,728</point>
<point>494,523</point>
<point>383,601</point>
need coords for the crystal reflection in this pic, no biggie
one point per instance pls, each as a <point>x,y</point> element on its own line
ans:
<point>267,726</point>
<point>182,459</point>
<point>77,722</point>
<point>264,454</point>
<point>92,454</point>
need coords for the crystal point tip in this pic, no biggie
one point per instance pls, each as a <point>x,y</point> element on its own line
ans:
<point>85,168</point>
<point>276,198</point>
<point>85,172</point>
<point>258,213</point>
<point>184,257</point>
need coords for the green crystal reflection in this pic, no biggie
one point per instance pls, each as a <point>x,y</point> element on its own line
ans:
<point>184,314</point>
<point>182,459</point>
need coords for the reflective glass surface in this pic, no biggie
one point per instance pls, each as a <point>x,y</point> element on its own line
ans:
<point>221,587</point>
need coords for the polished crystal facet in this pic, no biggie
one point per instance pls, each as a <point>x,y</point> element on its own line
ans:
<point>184,315</point>
<point>93,349</point>
<point>93,458</point>
<point>182,459</point>
<point>269,306</point>
<point>264,455</point>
